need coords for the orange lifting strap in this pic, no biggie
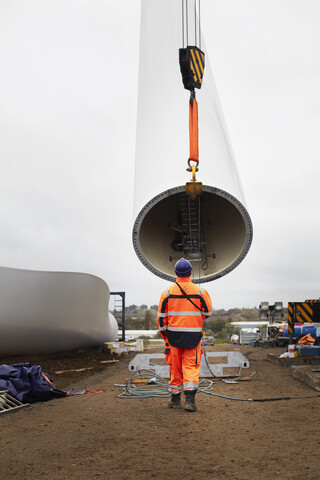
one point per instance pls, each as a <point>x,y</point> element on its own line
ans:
<point>193,130</point>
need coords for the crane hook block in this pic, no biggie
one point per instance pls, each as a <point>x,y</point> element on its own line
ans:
<point>191,61</point>
<point>193,188</point>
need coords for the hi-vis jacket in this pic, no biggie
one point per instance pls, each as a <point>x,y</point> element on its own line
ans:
<point>179,320</point>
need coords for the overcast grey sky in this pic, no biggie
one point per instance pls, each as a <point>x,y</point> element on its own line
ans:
<point>68,106</point>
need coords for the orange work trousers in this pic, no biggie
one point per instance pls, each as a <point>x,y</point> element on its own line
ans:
<point>184,365</point>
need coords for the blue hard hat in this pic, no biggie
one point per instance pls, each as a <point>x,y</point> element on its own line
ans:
<point>182,267</point>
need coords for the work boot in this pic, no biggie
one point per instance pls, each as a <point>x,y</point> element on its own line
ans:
<point>175,401</point>
<point>190,405</point>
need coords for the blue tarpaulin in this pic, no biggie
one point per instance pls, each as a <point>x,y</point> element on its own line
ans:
<point>28,384</point>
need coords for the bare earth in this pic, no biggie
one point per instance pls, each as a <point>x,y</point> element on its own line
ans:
<point>99,435</point>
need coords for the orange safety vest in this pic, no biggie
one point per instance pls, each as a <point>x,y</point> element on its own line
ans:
<point>306,340</point>
<point>179,320</point>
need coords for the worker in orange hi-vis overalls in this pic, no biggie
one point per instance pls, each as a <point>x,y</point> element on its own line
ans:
<point>182,308</point>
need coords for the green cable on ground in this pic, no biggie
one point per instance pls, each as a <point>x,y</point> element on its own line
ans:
<point>160,388</point>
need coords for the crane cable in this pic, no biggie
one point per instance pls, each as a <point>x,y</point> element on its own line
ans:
<point>185,23</point>
<point>191,59</point>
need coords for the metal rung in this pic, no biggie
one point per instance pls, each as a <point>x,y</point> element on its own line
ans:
<point>234,360</point>
<point>9,403</point>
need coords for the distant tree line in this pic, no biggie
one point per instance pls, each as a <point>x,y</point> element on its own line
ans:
<point>220,328</point>
<point>139,317</point>
<point>144,318</point>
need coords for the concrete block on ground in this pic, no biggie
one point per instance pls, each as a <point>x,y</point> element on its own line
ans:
<point>308,375</point>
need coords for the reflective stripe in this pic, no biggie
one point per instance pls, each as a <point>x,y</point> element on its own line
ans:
<point>201,290</point>
<point>185,329</point>
<point>167,292</point>
<point>207,313</point>
<point>162,315</point>
<point>185,314</point>
<point>190,386</point>
<point>175,388</point>
<point>162,329</point>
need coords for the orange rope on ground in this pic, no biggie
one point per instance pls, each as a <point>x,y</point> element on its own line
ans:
<point>94,391</point>
<point>193,130</point>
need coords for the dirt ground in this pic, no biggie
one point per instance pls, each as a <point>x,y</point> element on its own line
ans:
<point>101,436</point>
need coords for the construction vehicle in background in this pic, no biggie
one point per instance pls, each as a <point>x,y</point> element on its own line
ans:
<point>271,313</point>
<point>303,319</point>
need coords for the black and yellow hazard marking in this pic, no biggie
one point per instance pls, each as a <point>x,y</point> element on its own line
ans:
<point>197,64</point>
<point>302,312</point>
<point>290,318</point>
<point>191,61</point>
<point>305,312</point>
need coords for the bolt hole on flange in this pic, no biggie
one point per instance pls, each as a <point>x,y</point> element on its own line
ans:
<point>213,231</point>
